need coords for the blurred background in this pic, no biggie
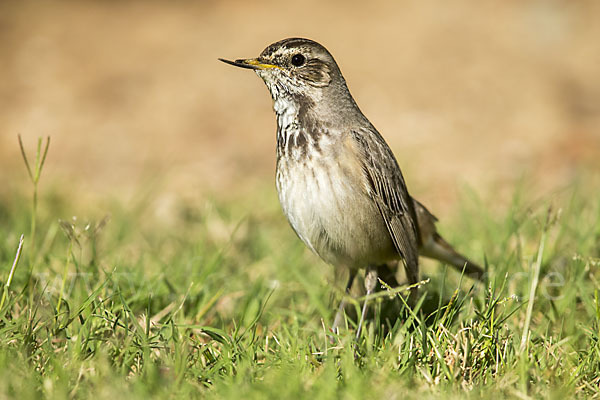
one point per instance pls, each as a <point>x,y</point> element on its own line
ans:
<point>477,94</point>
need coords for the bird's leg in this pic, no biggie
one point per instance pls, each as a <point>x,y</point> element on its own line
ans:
<point>339,316</point>
<point>370,283</point>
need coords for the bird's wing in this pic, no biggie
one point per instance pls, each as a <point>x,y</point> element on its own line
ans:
<point>386,186</point>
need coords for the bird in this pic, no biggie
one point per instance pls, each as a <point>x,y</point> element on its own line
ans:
<point>338,182</point>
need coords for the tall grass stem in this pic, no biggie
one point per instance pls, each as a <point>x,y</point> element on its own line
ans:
<point>12,272</point>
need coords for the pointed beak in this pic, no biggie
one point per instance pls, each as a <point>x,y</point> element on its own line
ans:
<point>250,63</point>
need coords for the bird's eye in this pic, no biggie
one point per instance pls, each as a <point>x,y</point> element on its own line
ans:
<point>298,60</point>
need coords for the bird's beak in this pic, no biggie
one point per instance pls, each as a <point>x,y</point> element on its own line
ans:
<point>250,63</point>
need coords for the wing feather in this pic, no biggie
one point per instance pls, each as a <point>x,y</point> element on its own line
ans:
<point>388,190</point>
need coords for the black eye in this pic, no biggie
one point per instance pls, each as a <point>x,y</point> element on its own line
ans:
<point>298,60</point>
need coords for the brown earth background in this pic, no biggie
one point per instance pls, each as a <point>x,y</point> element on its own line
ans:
<point>467,93</point>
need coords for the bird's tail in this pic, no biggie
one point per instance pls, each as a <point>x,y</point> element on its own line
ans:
<point>436,247</point>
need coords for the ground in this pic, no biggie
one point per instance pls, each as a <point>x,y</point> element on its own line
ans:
<point>156,261</point>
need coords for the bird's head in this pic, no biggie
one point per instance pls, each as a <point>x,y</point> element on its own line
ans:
<point>296,67</point>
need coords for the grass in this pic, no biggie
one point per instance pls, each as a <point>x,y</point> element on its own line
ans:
<point>221,300</point>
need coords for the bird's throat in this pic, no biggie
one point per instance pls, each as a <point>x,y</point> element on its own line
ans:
<point>286,111</point>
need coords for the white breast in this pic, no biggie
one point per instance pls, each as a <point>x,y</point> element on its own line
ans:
<point>330,210</point>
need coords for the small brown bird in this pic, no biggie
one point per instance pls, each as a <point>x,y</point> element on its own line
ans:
<point>338,182</point>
